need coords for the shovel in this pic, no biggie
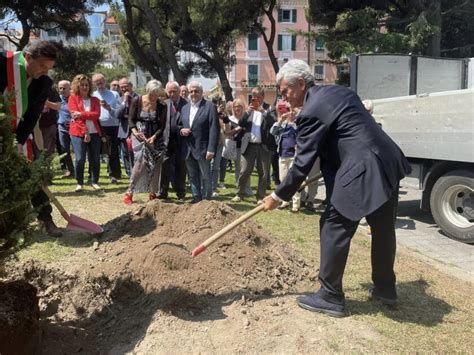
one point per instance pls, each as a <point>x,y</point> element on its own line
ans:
<point>200,248</point>
<point>74,222</point>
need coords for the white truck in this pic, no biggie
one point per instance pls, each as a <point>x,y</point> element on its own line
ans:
<point>426,105</point>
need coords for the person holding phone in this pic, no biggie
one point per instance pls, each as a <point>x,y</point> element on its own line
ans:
<point>109,122</point>
<point>261,146</point>
<point>285,131</point>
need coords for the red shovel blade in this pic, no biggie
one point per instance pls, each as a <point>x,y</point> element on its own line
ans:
<point>80,224</point>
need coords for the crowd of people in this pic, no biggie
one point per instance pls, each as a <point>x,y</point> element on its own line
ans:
<point>172,132</point>
<point>167,136</point>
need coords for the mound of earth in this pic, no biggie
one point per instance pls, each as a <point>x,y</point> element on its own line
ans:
<point>142,266</point>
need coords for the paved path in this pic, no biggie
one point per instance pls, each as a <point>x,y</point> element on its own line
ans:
<point>417,230</point>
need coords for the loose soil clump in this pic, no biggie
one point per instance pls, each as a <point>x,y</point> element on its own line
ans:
<point>142,268</point>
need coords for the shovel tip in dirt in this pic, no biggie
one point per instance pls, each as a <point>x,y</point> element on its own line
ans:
<point>198,250</point>
<point>80,224</point>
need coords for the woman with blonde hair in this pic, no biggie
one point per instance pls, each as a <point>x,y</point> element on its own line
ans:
<point>147,121</point>
<point>84,129</point>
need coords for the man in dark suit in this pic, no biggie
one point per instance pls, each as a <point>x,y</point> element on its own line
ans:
<point>256,123</point>
<point>174,165</point>
<point>39,58</point>
<point>362,168</point>
<point>200,127</point>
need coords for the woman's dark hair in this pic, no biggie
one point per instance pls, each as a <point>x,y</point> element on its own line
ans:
<point>43,49</point>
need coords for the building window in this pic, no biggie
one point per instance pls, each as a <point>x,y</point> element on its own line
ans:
<point>287,42</point>
<point>319,44</point>
<point>252,40</point>
<point>289,16</point>
<point>319,72</point>
<point>341,69</point>
<point>252,75</point>
<point>52,33</point>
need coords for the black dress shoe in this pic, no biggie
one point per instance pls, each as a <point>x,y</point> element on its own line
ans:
<point>52,229</point>
<point>316,303</point>
<point>376,294</point>
<point>162,196</point>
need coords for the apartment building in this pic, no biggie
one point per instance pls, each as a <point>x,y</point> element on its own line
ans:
<point>252,64</point>
<point>101,27</point>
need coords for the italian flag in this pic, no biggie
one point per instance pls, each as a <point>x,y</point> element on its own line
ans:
<point>17,84</point>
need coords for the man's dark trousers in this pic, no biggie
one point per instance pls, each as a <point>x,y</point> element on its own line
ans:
<point>114,168</point>
<point>336,234</point>
<point>174,171</point>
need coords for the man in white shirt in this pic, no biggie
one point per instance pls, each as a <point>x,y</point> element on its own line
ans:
<point>109,123</point>
<point>256,122</point>
<point>199,125</point>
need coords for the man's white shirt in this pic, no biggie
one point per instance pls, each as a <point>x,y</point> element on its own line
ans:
<point>193,112</point>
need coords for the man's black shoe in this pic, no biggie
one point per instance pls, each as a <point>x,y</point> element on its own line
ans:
<point>316,303</point>
<point>162,196</point>
<point>309,206</point>
<point>52,229</point>
<point>375,294</point>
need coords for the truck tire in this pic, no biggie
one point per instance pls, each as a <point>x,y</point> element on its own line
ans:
<point>452,204</point>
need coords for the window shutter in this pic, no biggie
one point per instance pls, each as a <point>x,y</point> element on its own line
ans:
<point>280,42</point>
<point>293,42</point>
<point>280,15</point>
<point>293,16</point>
<point>319,44</point>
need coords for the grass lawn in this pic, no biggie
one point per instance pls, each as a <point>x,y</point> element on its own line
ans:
<point>435,314</point>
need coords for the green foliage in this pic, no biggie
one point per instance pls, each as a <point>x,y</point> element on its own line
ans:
<point>395,26</point>
<point>46,14</point>
<point>78,59</point>
<point>19,180</point>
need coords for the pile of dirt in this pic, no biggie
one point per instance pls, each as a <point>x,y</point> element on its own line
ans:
<point>143,264</point>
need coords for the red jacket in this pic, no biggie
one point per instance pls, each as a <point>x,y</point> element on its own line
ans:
<point>78,126</point>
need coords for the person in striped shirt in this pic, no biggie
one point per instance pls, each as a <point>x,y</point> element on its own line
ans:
<point>25,75</point>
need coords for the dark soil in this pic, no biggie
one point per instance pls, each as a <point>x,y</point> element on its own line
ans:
<point>142,266</point>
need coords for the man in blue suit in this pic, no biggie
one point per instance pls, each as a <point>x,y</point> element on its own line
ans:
<point>362,168</point>
<point>199,125</point>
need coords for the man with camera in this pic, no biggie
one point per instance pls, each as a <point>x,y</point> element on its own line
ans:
<point>260,148</point>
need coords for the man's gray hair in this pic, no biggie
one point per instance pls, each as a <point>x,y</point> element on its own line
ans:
<point>172,83</point>
<point>64,82</point>
<point>195,84</point>
<point>98,76</point>
<point>153,86</point>
<point>293,70</point>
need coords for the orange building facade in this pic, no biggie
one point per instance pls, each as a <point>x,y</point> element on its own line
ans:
<point>252,63</point>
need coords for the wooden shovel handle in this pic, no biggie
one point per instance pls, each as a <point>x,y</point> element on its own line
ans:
<point>200,248</point>
<point>55,201</point>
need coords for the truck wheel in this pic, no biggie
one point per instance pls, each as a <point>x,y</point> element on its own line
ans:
<point>452,204</point>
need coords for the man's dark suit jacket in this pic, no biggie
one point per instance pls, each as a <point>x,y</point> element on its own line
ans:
<point>172,120</point>
<point>122,116</point>
<point>361,165</point>
<point>268,140</point>
<point>205,130</point>
<point>38,91</point>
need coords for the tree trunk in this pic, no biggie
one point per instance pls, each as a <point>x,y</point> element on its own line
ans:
<point>270,40</point>
<point>165,42</point>
<point>129,33</point>
<point>222,74</point>
<point>434,17</point>
<point>218,64</point>
<point>25,36</point>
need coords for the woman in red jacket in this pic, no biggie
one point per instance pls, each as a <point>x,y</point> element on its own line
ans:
<point>84,129</point>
